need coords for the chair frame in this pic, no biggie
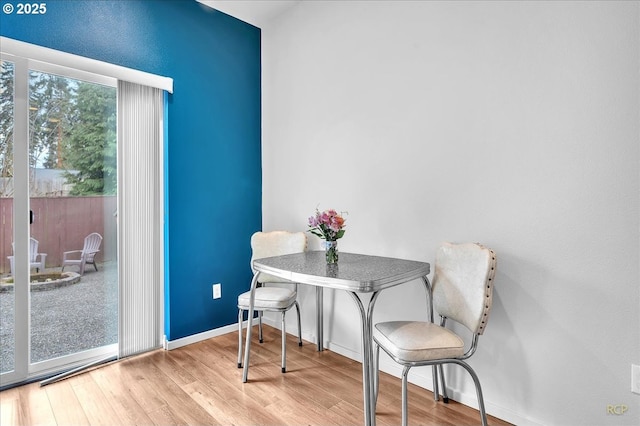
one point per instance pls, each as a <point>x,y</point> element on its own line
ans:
<point>261,310</point>
<point>436,373</point>
<point>243,308</point>
<point>438,364</point>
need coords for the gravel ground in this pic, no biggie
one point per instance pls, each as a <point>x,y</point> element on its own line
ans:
<point>65,320</point>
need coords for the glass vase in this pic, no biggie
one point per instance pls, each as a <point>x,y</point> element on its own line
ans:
<point>331,251</point>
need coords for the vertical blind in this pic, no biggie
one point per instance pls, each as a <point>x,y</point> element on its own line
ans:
<point>140,203</point>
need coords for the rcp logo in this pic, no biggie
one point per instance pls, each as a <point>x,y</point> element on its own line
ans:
<point>617,410</point>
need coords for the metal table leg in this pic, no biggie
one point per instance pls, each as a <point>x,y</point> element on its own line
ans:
<point>368,390</point>
<point>434,369</point>
<point>320,317</point>
<point>372,366</point>
<point>247,346</point>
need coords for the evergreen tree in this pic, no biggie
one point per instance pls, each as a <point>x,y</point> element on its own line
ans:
<point>6,121</point>
<point>90,149</point>
<point>72,126</point>
<point>51,100</point>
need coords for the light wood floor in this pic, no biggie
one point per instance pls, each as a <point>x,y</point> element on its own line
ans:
<point>200,384</point>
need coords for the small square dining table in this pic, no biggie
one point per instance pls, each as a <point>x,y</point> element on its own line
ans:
<point>355,274</point>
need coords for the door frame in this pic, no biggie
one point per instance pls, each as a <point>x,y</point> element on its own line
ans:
<point>24,370</point>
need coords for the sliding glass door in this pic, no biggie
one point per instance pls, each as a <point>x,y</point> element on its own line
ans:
<point>7,295</point>
<point>59,298</point>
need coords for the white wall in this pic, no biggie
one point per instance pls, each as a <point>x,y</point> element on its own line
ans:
<point>513,124</point>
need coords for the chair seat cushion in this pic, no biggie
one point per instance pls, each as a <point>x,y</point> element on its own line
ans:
<point>414,341</point>
<point>269,298</point>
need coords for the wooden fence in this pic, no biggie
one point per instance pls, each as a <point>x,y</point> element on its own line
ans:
<point>61,224</point>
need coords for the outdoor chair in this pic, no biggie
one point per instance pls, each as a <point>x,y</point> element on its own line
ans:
<point>85,256</point>
<point>272,298</point>
<point>34,262</point>
<point>462,292</point>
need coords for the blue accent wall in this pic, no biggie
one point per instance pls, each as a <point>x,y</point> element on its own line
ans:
<point>213,167</point>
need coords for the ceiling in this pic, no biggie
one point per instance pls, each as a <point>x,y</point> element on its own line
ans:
<point>255,12</point>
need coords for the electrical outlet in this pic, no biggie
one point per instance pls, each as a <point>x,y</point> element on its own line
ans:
<point>217,291</point>
<point>635,378</point>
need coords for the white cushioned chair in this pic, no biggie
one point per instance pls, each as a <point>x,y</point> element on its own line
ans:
<point>462,292</point>
<point>272,298</point>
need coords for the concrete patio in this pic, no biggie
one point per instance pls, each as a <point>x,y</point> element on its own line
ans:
<point>65,320</point>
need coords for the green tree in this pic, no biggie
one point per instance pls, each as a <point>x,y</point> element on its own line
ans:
<point>6,120</point>
<point>51,102</point>
<point>72,126</point>
<point>90,150</point>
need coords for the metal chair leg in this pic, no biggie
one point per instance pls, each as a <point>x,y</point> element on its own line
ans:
<point>376,378</point>
<point>436,391</point>
<point>260,327</point>
<point>445,397</point>
<point>299,327</point>
<point>284,345</point>
<point>474,376</point>
<point>405,404</point>
<point>240,317</point>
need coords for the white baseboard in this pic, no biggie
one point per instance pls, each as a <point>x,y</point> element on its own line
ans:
<point>195,338</point>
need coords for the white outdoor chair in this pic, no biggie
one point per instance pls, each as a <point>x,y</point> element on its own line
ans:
<point>85,256</point>
<point>462,291</point>
<point>34,262</point>
<point>273,299</point>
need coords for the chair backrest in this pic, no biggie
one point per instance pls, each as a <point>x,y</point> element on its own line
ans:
<point>276,243</point>
<point>463,284</point>
<point>33,249</point>
<point>92,243</point>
